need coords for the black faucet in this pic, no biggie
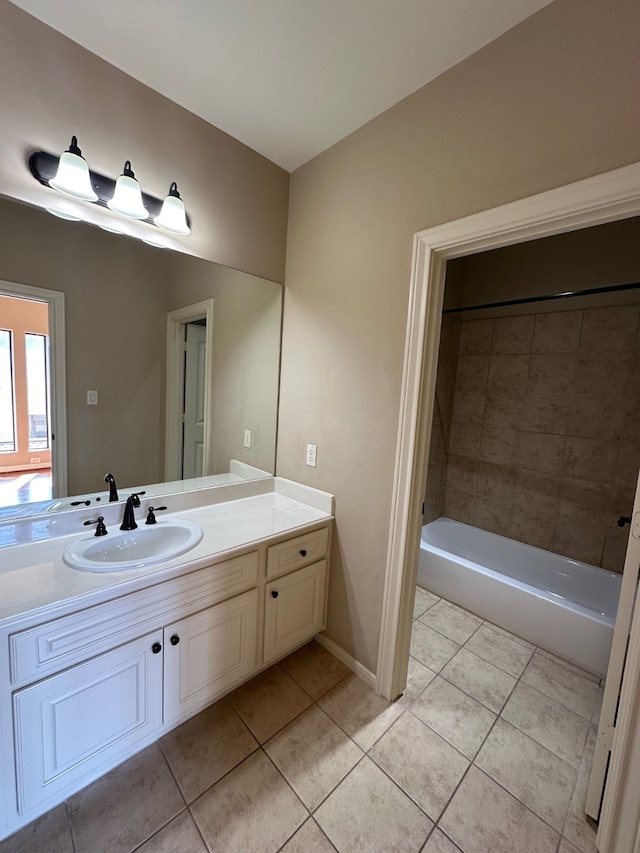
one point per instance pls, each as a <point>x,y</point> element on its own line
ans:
<point>113,491</point>
<point>129,519</point>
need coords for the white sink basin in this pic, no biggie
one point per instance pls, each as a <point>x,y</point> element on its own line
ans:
<point>133,549</point>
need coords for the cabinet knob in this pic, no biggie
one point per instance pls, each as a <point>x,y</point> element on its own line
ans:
<point>303,553</point>
<point>175,639</point>
<point>156,648</point>
<point>274,593</point>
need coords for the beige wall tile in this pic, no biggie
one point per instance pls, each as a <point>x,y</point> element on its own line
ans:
<point>461,473</point>
<point>557,332</point>
<point>540,451</point>
<point>533,490</point>
<point>552,373</point>
<point>458,505</point>
<point>513,334</point>
<point>545,411</point>
<point>491,514</point>
<point>615,547</point>
<point>508,373</point>
<point>607,329</point>
<point>590,459</point>
<point>495,481</point>
<point>475,337</point>
<point>628,461</point>
<point>504,408</point>
<point>605,374</point>
<point>534,526</point>
<point>472,372</point>
<point>579,538</point>
<point>469,404</point>
<point>465,437</point>
<point>499,444</point>
<point>590,417</point>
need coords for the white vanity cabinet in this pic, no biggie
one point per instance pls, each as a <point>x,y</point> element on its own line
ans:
<point>92,687</point>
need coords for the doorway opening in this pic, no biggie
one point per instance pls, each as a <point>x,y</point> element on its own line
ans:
<point>605,198</point>
<point>32,395</point>
<point>189,378</point>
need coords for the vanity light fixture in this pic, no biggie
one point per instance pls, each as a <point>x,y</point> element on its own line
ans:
<point>70,174</point>
<point>72,177</point>
<point>173,217</point>
<point>62,215</point>
<point>127,196</point>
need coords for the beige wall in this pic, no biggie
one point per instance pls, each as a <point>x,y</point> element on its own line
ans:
<point>552,101</point>
<point>52,88</point>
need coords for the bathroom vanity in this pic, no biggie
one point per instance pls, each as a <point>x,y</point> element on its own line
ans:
<point>94,666</point>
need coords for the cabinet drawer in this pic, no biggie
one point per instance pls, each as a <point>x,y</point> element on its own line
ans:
<point>81,721</point>
<point>294,609</point>
<point>50,647</point>
<point>298,552</point>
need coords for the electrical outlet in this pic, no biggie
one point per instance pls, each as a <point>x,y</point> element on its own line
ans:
<point>92,398</point>
<point>312,450</point>
<point>247,438</point>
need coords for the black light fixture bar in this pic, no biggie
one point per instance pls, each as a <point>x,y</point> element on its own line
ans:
<point>43,167</point>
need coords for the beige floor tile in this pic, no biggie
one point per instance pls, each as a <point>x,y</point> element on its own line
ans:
<point>562,684</point>
<point>455,716</point>
<point>252,808</point>
<point>206,747</point>
<point>568,665</point>
<point>418,677</point>
<point>431,648</point>
<point>315,669</point>
<point>507,653</point>
<point>567,847</point>
<point>361,712</point>
<point>180,835</point>
<point>480,679</point>
<point>423,601</point>
<point>313,754</point>
<point>510,636</point>
<point>368,812</point>
<point>533,774</point>
<point>549,723</point>
<point>597,708</point>
<point>455,623</point>
<point>439,843</point>
<point>47,833</point>
<point>579,829</point>
<point>589,748</point>
<point>424,765</point>
<point>484,818</point>
<point>126,806</point>
<point>309,839</point>
<point>268,702</point>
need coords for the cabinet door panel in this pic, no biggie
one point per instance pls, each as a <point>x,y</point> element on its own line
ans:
<point>215,649</point>
<point>69,724</point>
<point>294,609</point>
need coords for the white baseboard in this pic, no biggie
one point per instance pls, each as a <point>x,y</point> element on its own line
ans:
<point>28,466</point>
<point>355,666</point>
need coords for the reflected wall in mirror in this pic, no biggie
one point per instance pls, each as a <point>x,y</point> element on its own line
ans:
<point>118,293</point>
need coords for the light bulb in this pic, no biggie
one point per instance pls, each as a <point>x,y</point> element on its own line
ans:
<point>72,177</point>
<point>127,197</point>
<point>173,216</point>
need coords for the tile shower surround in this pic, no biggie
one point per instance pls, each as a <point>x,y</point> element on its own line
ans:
<point>536,432</point>
<point>488,751</point>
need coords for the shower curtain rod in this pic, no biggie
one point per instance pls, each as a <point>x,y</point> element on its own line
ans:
<point>612,288</point>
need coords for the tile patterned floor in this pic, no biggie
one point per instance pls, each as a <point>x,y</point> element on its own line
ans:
<point>487,751</point>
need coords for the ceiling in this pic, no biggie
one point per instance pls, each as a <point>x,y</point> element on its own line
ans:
<point>289,78</point>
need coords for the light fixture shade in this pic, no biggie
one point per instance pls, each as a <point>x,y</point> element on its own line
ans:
<point>127,196</point>
<point>173,216</point>
<point>61,214</point>
<point>72,177</point>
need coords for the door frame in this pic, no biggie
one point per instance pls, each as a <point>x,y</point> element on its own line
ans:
<point>176,321</point>
<point>593,201</point>
<point>57,375</point>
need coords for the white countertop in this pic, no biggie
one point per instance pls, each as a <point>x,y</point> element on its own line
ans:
<point>35,581</point>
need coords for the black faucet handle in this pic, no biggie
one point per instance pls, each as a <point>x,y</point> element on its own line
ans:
<point>101,530</point>
<point>151,516</point>
<point>135,498</point>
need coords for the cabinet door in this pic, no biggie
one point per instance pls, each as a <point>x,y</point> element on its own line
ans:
<point>207,653</point>
<point>78,723</point>
<point>294,609</point>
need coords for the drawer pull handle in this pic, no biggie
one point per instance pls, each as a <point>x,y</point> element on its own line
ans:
<point>274,593</point>
<point>303,553</point>
<point>175,639</point>
<point>156,648</point>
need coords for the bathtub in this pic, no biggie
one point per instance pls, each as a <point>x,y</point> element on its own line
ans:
<point>562,605</point>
